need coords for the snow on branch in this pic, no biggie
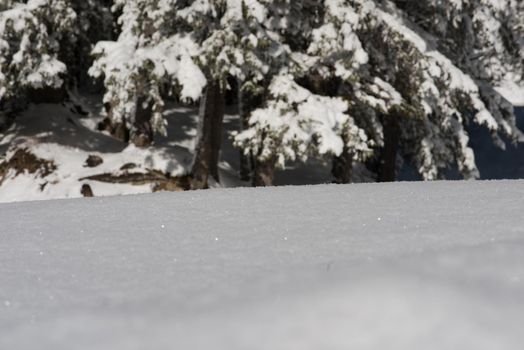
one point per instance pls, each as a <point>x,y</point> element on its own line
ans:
<point>296,124</point>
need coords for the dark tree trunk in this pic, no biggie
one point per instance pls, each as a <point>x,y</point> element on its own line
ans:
<point>247,104</point>
<point>142,135</point>
<point>212,108</point>
<point>5,121</point>
<point>342,169</point>
<point>232,95</point>
<point>246,166</point>
<point>120,131</point>
<point>264,173</point>
<point>387,167</point>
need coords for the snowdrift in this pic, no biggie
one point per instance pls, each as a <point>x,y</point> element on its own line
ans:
<point>399,266</point>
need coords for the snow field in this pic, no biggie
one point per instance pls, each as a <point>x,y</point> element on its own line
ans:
<point>397,266</point>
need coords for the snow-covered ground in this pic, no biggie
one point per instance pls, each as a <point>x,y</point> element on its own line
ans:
<point>55,133</point>
<point>397,266</point>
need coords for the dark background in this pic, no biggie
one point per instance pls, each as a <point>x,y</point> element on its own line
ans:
<point>493,162</point>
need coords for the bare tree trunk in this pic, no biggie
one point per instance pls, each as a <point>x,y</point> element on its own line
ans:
<point>142,134</point>
<point>387,168</point>
<point>264,173</point>
<point>212,108</point>
<point>342,168</point>
<point>245,161</point>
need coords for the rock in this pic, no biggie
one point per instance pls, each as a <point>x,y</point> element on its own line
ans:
<point>86,191</point>
<point>93,161</point>
<point>24,161</point>
<point>173,185</point>
<point>142,140</point>
<point>157,179</point>
<point>128,166</point>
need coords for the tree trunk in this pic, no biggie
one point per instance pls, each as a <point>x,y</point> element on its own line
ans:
<point>9,110</point>
<point>264,173</point>
<point>118,130</point>
<point>142,134</point>
<point>247,103</point>
<point>207,155</point>
<point>387,168</point>
<point>342,169</point>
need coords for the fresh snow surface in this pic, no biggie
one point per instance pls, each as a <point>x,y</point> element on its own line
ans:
<point>397,266</point>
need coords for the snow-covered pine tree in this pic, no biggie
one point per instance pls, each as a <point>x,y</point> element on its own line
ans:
<point>296,124</point>
<point>31,33</point>
<point>235,44</point>
<point>160,44</point>
<point>399,88</point>
<point>304,116</point>
<point>185,46</point>
<point>152,56</point>
<point>442,96</point>
<point>482,37</point>
<point>340,61</point>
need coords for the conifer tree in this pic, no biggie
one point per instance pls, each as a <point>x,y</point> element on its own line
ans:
<point>305,115</point>
<point>192,47</point>
<point>31,37</point>
<point>403,94</point>
<point>151,58</point>
<point>235,44</point>
<point>443,96</point>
